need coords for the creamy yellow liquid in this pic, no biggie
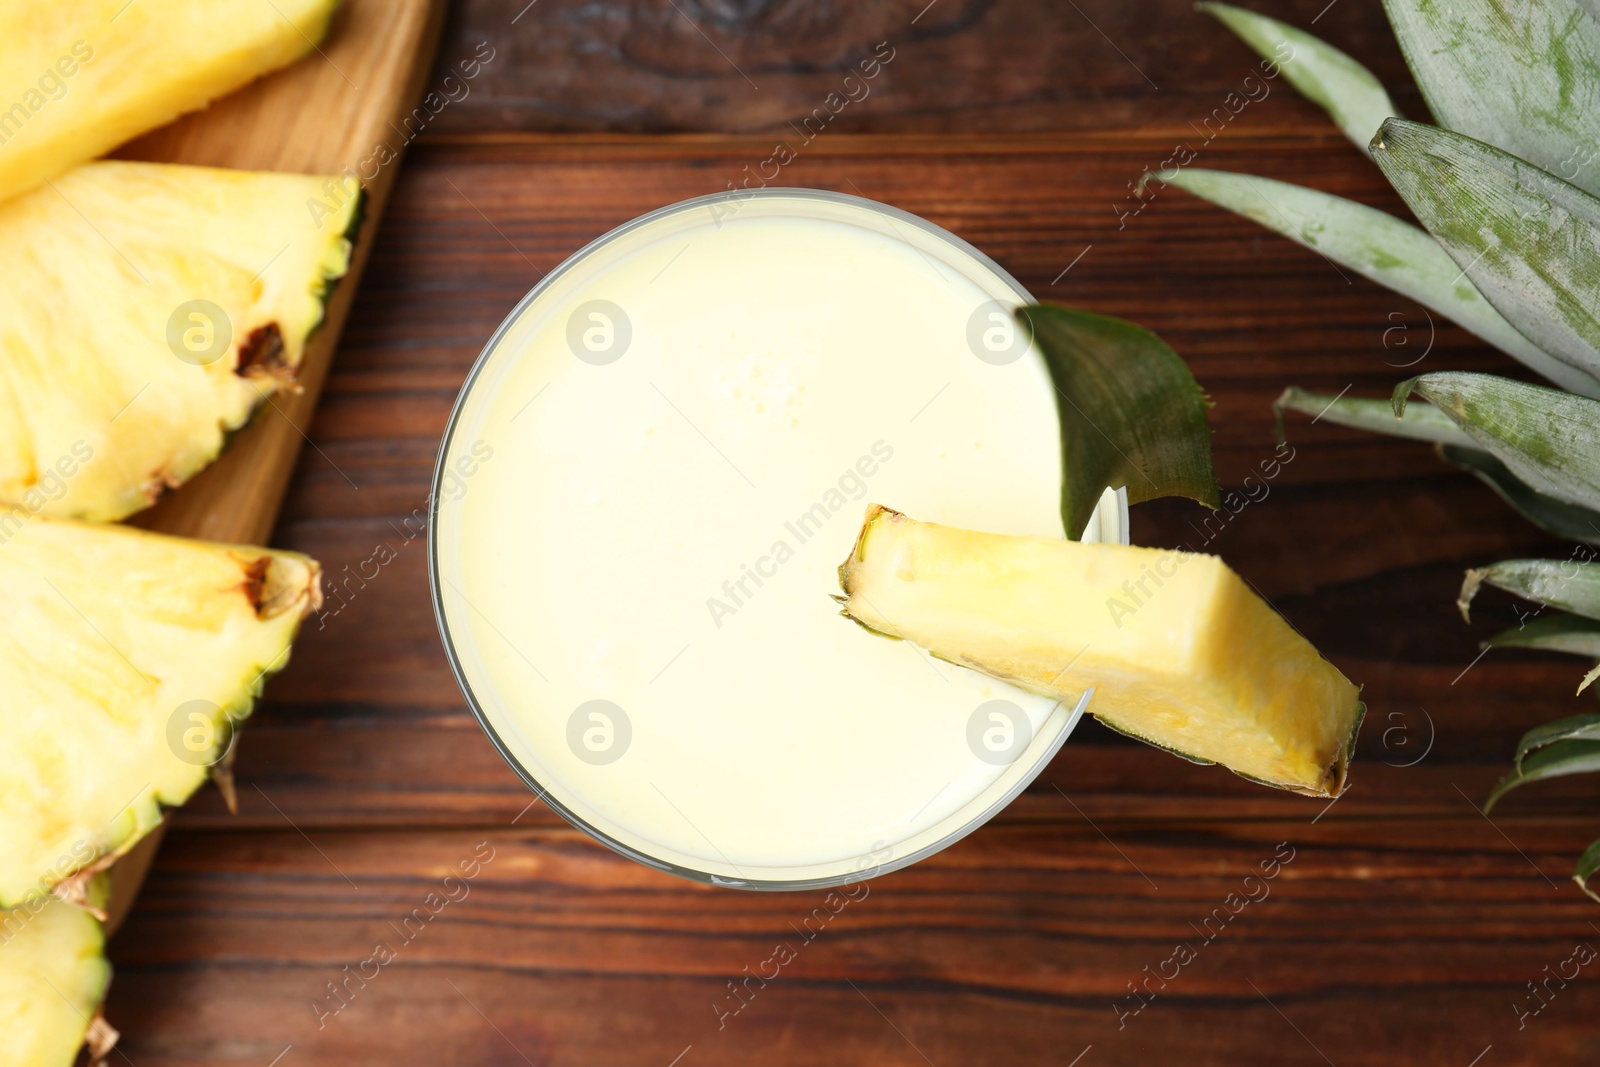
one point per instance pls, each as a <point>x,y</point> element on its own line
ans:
<point>660,529</point>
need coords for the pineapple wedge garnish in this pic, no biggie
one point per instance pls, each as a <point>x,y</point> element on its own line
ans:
<point>79,77</point>
<point>53,977</point>
<point>1178,650</point>
<point>126,657</point>
<point>149,309</point>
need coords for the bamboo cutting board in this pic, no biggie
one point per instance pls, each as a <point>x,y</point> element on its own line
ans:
<point>336,108</point>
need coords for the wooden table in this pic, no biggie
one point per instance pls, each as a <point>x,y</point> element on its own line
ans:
<point>1405,927</point>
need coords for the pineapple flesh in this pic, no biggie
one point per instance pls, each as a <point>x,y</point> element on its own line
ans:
<point>1178,650</point>
<point>126,657</point>
<point>79,77</point>
<point>53,976</point>
<point>149,309</point>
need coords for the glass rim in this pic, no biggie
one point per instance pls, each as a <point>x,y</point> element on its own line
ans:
<point>1117,521</point>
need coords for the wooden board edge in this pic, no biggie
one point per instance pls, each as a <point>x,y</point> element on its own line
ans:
<point>127,875</point>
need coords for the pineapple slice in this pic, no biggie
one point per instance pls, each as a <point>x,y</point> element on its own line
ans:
<point>79,77</point>
<point>148,310</point>
<point>125,659</point>
<point>53,976</point>
<point>1178,650</point>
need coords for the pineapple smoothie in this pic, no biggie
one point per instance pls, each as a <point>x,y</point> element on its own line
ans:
<point>644,496</point>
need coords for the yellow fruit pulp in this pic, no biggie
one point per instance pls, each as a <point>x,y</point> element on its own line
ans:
<point>79,77</point>
<point>53,976</point>
<point>1179,651</point>
<point>148,309</point>
<point>125,659</point>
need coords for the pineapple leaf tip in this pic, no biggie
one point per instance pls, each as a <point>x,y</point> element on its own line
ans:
<point>1588,680</point>
<point>1402,393</point>
<point>1469,589</point>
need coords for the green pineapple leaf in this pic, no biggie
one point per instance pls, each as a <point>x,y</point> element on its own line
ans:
<point>1548,439</point>
<point>1529,241</point>
<point>1131,413</point>
<point>1525,77</point>
<point>1380,247</point>
<point>1552,761</point>
<point>1589,862</point>
<point>1567,584</point>
<point>1421,422</point>
<point>1349,92</point>
<point>1546,512</point>
<point>1576,728</point>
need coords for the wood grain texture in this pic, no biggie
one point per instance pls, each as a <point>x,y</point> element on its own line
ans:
<point>1010,948</point>
<point>364,78</point>
<point>958,66</point>
<point>1402,932</point>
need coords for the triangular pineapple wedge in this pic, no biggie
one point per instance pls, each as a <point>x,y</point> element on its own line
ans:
<point>125,659</point>
<point>79,77</point>
<point>148,309</point>
<point>1179,651</point>
<point>53,977</point>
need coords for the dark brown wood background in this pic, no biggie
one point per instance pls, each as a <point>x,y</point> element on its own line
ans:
<point>1407,926</point>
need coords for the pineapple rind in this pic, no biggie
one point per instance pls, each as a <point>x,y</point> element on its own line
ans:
<point>1129,732</point>
<point>98,414</point>
<point>91,74</point>
<point>53,978</point>
<point>110,634</point>
<point>1200,665</point>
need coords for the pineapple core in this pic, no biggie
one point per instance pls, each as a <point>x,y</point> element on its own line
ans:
<point>1178,650</point>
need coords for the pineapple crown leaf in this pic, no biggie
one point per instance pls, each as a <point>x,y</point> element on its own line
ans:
<point>1574,728</point>
<point>1531,87</point>
<point>1470,584</point>
<point>1526,239</point>
<point>1571,521</point>
<point>1285,399</point>
<point>1402,393</point>
<point>1585,869</point>
<point>1350,93</point>
<point>1419,422</point>
<point>1514,258</point>
<point>1564,584</point>
<point>1547,439</point>
<point>1554,630</point>
<point>1555,760</point>
<point>1132,415</point>
<point>1165,176</point>
<point>1388,250</point>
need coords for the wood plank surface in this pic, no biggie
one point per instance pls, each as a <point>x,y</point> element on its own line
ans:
<point>958,66</point>
<point>364,78</point>
<point>1404,930</point>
